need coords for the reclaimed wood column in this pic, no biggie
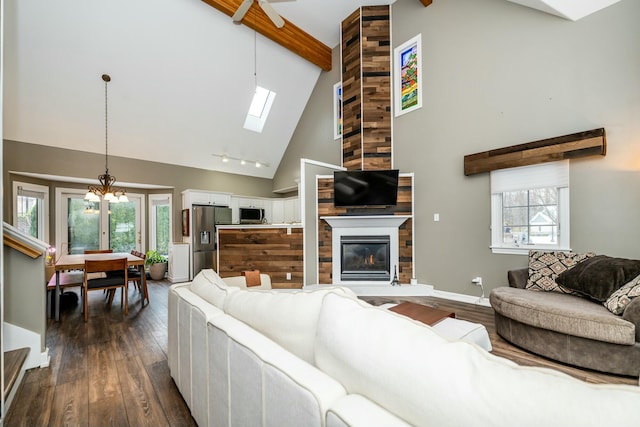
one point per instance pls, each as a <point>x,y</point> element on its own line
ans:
<point>366,89</point>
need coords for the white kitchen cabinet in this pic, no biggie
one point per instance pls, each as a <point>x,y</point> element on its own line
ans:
<point>250,202</point>
<point>292,209</point>
<point>178,262</point>
<point>197,197</point>
<point>277,211</point>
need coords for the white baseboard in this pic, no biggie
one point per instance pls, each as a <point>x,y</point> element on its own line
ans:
<point>462,298</point>
<point>178,279</point>
<point>45,359</point>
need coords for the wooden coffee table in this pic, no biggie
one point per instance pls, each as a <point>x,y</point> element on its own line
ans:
<point>422,313</point>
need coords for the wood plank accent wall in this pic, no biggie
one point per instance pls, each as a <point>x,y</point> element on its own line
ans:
<point>351,93</point>
<point>376,87</point>
<point>366,88</point>
<point>270,250</point>
<point>581,144</point>
<point>405,233</point>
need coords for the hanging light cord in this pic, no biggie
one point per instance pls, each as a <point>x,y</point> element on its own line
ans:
<point>255,58</point>
<point>106,79</point>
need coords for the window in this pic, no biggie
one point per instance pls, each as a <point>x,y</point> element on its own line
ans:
<point>31,209</point>
<point>87,225</point>
<point>160,222</point>
<point>530,208</point>
<point>259,109</point>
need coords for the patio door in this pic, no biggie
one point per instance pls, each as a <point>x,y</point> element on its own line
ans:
<point>99,225</point>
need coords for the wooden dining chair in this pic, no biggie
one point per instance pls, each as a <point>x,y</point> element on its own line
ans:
<point>135,275</point>
<point>108,283</point>
<point>99,251</point>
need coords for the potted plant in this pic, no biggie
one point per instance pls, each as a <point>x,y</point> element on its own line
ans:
<point>157,264</point>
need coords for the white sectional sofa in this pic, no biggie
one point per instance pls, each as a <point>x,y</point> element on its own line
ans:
<point>323,358</point>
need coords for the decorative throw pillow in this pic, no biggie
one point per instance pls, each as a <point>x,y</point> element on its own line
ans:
<point>619,300</point>
<point>545,266</point>
<point>600,276</point>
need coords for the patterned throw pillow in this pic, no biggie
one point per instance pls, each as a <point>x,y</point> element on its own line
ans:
<point>545,266</point>
<point>619,300</point>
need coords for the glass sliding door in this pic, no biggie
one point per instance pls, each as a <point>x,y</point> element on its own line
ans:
<point>124,226</point>
<point>83,225</point>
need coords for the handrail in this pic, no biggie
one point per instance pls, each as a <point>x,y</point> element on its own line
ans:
<point>22,242</point>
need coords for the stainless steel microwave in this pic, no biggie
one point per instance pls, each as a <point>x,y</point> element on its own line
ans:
<point>251,216</point>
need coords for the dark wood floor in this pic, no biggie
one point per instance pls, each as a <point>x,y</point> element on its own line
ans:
<point>112,370</point>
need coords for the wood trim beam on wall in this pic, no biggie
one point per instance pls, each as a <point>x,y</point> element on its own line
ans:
<point>581,144</point>
<point>290,36</point>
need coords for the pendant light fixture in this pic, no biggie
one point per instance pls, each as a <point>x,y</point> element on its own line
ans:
<point>106,188</point>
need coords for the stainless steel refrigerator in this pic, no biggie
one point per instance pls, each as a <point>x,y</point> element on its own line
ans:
<point>204,220</point>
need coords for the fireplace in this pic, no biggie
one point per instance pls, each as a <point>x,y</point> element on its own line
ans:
<point>377,234</point>
<point>365,258</point>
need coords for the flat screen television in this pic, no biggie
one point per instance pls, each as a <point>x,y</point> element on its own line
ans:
<point>365,188</point>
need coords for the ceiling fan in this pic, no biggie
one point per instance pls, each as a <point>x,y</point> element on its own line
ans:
<point>266,7</point>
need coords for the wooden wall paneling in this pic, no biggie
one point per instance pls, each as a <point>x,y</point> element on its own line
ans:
<point>376,87</point>
<point>351,93</point>
<point>270,250</point>
<point>581,144</point>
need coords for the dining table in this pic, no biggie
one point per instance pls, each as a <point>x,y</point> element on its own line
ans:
<point>76,262</point>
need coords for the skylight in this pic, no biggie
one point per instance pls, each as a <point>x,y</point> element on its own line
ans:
<point>259,110</point>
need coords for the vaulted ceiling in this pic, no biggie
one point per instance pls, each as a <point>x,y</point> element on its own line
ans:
<point>183,76</point>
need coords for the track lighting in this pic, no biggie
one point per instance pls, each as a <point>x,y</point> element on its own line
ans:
<point>226,158</point>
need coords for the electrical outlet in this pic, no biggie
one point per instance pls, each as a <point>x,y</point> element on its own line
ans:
<point>288,276</point>
<point>477,281</point>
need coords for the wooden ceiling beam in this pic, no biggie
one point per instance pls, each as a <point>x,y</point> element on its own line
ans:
<point>290,36</point>
<point>426,2</point>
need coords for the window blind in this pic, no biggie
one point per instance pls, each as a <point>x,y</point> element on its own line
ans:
<point>30,193</point>
<point>160,202</point>
<point>553,174</point>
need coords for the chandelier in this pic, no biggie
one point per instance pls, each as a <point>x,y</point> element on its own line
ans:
<point>106,188</point>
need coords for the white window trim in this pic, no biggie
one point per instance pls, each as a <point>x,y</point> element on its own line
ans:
<point>45,218</point>
<point>152,217</point>
<point>546,169</point>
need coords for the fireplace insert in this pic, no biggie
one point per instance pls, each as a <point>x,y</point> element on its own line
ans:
<point>365,258</point>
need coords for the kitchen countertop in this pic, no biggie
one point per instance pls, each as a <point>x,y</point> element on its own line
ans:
<point>277,225</point>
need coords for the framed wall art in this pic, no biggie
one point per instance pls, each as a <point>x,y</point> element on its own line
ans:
<point>407,78</point>
<point>337,110</point>
<point>185,222</point>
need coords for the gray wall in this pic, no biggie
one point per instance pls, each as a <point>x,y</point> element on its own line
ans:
<point>498,74</point>
<point>32,158</point>
<point>24,294</point>
<point>313,137</point>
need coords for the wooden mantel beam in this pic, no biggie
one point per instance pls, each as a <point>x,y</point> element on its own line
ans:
<point>581,144</point>
<point>290,36</point>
